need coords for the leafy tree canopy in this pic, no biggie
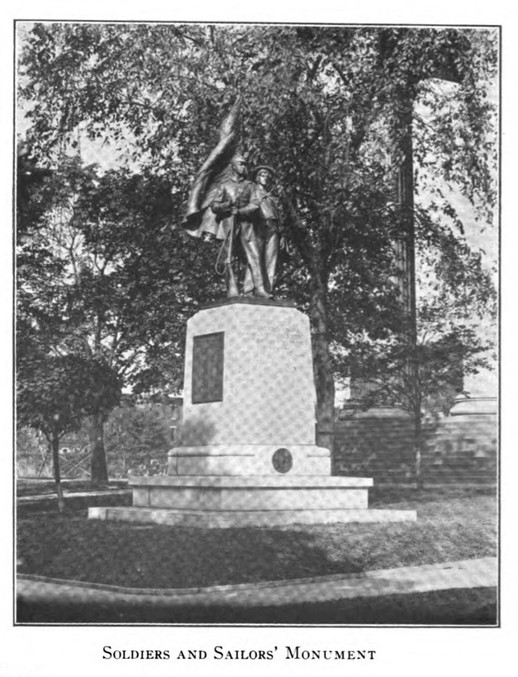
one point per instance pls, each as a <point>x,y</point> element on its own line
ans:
<point>55,393</point>
<point>324,106</point>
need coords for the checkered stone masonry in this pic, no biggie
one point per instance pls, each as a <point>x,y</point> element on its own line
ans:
<point>268,389</point>
<point>268,394</point>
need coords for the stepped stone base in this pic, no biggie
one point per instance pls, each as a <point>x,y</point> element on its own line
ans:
<point>250,501</point>
<point>246,454</point>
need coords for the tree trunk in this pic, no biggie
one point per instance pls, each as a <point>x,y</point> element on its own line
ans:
<point>57,474</point>
<point>99,468</point>
<point>418,448</point>
<point>322,367</point>
<point>406,261</point>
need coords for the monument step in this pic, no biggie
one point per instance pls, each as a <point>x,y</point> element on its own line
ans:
<point>253,481</point>
<point>248,518</point>
<point>235,493</point>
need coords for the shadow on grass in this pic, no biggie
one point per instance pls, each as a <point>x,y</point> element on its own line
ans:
<point>451,525</point>
<point>71,547</point>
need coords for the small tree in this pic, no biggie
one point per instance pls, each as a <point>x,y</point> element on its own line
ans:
<point>97,266</point>
<point>432,384</point>
<point>55,392</point>
<point>454,328</point>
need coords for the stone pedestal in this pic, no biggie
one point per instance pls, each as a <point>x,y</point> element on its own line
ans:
<point>247,454</point>
<point>248,393</point>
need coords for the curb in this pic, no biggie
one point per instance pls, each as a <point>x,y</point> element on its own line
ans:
<point>476,573</point>
<point>72,495</point>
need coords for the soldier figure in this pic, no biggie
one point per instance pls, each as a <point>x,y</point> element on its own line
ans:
<point>224,205</point>
<point>266,229</point>
<point>237,206</point>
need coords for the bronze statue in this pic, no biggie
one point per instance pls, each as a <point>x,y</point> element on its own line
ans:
<point>225,205</point>
<point>266,229</point>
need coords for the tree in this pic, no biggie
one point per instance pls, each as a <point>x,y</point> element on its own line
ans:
<point>427,367</point>
<point>115,266</point>
<point>55,392</point>
<point>329,107</point>
<point>454,336</point>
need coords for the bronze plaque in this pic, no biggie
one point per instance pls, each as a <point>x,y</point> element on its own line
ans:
<point>207,368</point>
<point>282,460</point>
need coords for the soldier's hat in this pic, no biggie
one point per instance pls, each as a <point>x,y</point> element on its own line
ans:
<point>267,167</point>
<point>239,156</point>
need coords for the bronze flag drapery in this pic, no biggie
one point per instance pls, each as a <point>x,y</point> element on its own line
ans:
<point>198,218</point>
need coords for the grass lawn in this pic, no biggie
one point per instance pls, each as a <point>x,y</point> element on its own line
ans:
<point>452,524</point>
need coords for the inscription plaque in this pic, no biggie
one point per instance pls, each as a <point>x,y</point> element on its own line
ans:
<point>207,368</point>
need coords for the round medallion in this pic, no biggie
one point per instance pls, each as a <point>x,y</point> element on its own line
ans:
<point>282,460</point>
